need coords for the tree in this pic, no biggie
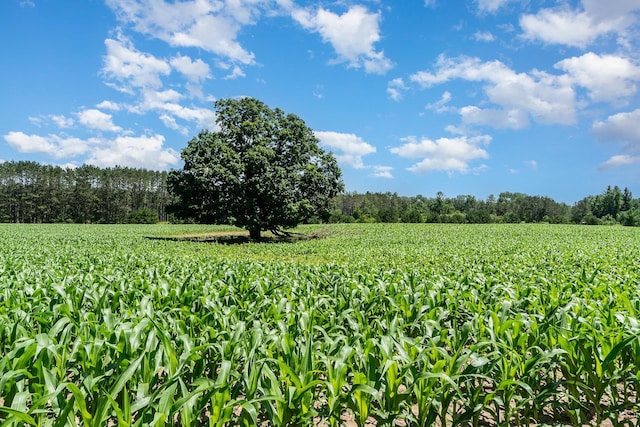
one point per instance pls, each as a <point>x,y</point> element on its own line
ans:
<point>262,170</point>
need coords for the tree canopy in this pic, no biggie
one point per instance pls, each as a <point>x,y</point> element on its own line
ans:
<point>262,170</point>
<point>36,193</point>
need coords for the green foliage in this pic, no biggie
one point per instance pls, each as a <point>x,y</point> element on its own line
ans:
<point>390,207</point>
<point>630,217</point>
<point>35,193</point>
<point>263,170</point>
<point>143,216</point>
<point>507,325</point>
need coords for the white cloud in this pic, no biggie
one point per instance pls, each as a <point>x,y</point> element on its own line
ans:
<point>29,143</point>
<point>96,119</point>
<point>209,25</point>
<point>52,145</point>
<point>351,147</point>
<point>531,164</point>
<point>440,106</point>
<point>545,98</point>
<point>620,128</point>
<point>37,120</point>
<point>141,151</point>
<point>134,151</point>
<point>443,154</point>
<point>58,120</point>
<point>352,35</point>
<point>606,77</point>
<point>131,68</point>
<point>195,71</point>
<point>166,104</point>
<point>491,6</point>
<point>203,117</point>
<point>619,161</point>
<point>581,26</point>
<point>235,73</point>
<point>61,121</point>
<point>382,172</point>
<point>319,92</point>
<point>27,3</point>
<point>109,105</point>
<point>395,88</point>
<point>500,119</point>
<point>483,36</point>
<point>465,68</point>
<point>562,27</point>
<point>615,9</point>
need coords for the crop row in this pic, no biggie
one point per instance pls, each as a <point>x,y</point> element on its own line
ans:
<point>100,326</point>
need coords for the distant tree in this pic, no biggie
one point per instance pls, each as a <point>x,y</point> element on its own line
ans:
<point>412,214</point>
<point>477,216</point>
<point>580,210</point>
<point>608,203</point>
<point>263,170</point>
<point>627,198</point>
<point>143,216</point>
<point>630,217</point>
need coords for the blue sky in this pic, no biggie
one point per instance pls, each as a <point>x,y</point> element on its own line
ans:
<point>413,96</point>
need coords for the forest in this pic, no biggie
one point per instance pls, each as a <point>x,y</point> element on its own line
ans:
<point>35,193</point>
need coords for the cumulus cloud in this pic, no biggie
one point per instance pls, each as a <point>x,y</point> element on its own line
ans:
<point>395,88</point>
<point>580,27</point>
<point>382,172</point>
<point>500,119</point>
<point>109,105</point>
<point>195,71</point>
<point>208,25</point>
<point>59,120</point>
<point>145,151</point>
<point>166,104</point>
<point>441,105</point>
<point>463,67</point>
<point>545,98</point>
<point>52,145</point>
<point>138,73</point>
<point>134,151</point>
<point>619,161</point>
<point>350,147</point>
<point>483,36</point>
<point>606,77</point>
<point>444,154</point>
<point>127,68</point>
<point>352,35</point>
<point>621,128</point>
<point>96,119</point>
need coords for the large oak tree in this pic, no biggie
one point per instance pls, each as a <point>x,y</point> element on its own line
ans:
<point>262,170</point>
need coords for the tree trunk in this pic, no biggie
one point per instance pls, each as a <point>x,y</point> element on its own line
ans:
<point>254,234</point>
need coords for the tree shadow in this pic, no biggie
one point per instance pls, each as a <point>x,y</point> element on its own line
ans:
<point>239,239</point>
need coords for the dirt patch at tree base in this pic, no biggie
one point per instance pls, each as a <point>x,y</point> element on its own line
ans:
<point>241,236</point>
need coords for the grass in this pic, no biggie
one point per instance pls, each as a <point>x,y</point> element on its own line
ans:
<point>381,324</point>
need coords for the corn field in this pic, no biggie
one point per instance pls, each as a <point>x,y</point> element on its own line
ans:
<point>371,325</point>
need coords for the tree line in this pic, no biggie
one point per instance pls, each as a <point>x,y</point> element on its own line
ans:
<point>34,193</point>
<point>613,206</point>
